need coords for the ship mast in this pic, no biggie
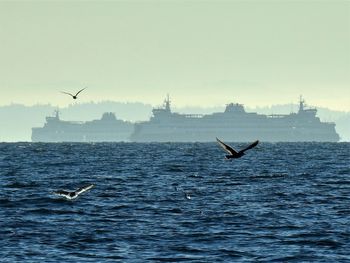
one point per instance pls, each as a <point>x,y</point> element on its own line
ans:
<point>301,103</point>
<point>57,113</point>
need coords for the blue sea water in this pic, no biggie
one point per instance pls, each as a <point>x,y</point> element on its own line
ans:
<point>282,202</point>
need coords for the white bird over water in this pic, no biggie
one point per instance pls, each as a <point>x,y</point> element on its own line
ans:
<point>70,195</point>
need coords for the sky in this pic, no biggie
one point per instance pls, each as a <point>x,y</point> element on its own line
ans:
<point>203,53</point>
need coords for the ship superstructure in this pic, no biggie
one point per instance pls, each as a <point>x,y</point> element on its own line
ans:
<point>235,125</point>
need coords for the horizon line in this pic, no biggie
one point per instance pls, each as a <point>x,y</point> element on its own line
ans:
<point>159,104</point>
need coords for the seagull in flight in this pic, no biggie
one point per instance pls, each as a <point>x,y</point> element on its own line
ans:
<point>232,152</point>
<point>73,96</point>
<point>70,195</point>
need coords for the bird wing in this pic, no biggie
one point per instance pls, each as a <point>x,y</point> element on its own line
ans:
<point>84,188</point>
<point>62,193</point>
<point>67,93</point>
<point>226,147</point>
<point>250,146</point>
<point>79,91</point>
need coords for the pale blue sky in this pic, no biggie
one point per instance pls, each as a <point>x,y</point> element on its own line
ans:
<point>203,53</point>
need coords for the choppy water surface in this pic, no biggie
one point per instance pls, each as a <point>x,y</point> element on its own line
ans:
<point>287,202</point>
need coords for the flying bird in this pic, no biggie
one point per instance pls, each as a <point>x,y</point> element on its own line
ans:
<point>232,152</point>
<point>70,195</point>
<point>73,96</point>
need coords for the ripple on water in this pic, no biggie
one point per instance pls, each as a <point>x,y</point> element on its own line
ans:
<point>276,204</point>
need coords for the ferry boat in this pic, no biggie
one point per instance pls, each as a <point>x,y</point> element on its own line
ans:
<point>234,125</point>
<point>107,129</point>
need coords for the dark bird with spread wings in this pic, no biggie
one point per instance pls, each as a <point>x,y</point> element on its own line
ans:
<point>73,194</point>
<point>73,96</point>
<point>232,152</point>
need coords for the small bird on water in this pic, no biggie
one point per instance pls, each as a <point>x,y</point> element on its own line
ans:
<point>70,195</point>
<point>74,96</point>
<point>232,152</point>
<point>187,196</point>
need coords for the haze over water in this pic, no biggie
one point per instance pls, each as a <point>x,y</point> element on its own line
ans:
<point>203,53</point>
<point>283,202</point>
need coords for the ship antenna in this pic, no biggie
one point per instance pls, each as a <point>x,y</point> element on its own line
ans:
<point>167,103</point>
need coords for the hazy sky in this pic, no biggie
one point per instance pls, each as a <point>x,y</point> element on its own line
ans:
<point>201,52</point>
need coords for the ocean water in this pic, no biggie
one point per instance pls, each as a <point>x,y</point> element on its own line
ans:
<point>175,202</point>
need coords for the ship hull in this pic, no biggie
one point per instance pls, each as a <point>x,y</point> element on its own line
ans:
<point>234,135</point>
<point>42,135</point>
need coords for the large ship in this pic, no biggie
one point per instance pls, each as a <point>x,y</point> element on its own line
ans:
<point>234,125</point>
<point>107,129</point>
